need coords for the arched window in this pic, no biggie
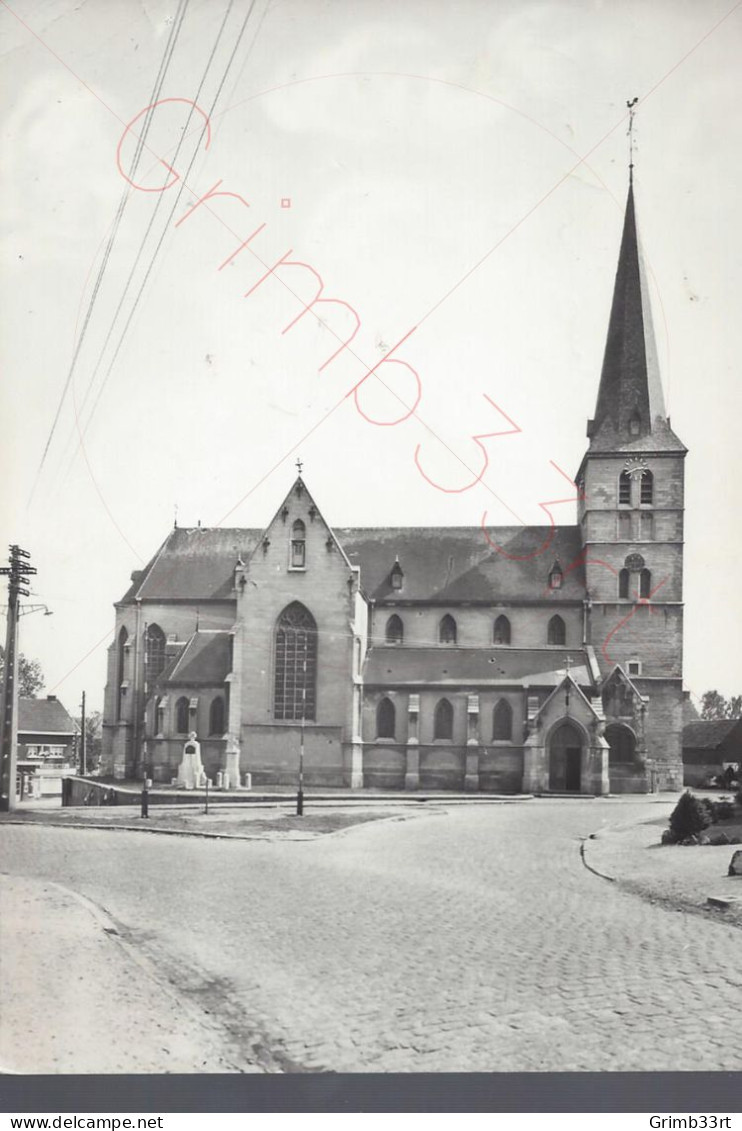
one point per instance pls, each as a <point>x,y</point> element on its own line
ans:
<point>121,671</point>
<point>501,634</point>
<point>295,687</point>
<point>181,715</point>
<point>298,545</point>
<point>624,489</point>
<point>624,578</point>
<point>647,488</point>
<point>216,716</point>
<point>154,652</point>
<point>160,715</point>
<point>385,719</point>
<point>622,743</point>
<point>624,526</point>
<point>443,721</point>
<point>647,525</point>
<point>447,630</point>
<point>502,722</point>
<point>645,583</point>
<point>394,630</point>
<point>557,633</point>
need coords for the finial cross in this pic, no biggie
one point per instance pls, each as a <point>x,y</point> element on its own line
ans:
<point>299,466</point>
<point>631,104</point>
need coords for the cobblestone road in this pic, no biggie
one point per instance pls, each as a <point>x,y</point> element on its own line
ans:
<point>471,939</point>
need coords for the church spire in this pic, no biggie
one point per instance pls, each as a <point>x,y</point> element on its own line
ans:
<point>630,404</point>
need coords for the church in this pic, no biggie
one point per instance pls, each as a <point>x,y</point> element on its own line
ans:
<point>521,659</point>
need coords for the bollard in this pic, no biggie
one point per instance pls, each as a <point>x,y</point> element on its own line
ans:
<point>145,800</point>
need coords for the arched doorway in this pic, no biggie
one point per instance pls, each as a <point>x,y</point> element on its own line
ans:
<point>565,758</point>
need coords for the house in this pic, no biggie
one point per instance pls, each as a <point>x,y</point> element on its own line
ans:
<point>710,746</point>
<point>46,747</point>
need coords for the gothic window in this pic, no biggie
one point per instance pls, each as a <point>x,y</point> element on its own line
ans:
<point>624,527</point>
<point>447,630</point>
<point>647,525</point>
<point>160,716</point>
<point>501,634</point>
<point>635,424</point>
<point>385,719</point>
<point>624,489</point>
<point>181,715</point>
<point>645,583</point>
<point>621,742</point>
<point>443,721</point>
<point>557,631</point>
<point>154,652</point>
<point>647,488</point>
<point>121,671</point>
<point>624,578</point>
<point>556,577</point>
<point>394,630</point>
<point>295,688</point>
<point>298,545</point>
<point>502,722</point>
<point>216,716</point>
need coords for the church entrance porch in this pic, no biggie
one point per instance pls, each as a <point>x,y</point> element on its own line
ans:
<point>565,759</point>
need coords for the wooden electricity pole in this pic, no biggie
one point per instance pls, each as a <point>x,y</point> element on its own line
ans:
<point>18,573</point>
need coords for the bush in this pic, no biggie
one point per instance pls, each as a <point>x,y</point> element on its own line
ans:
<point>688,817</point>
<point>668,837</point>
<point>723,809</point>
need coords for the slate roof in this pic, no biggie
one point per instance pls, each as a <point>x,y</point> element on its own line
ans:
<point>444,564</point>
<point>708,734</point>
<point>394,666</point>
<point>457,563</point>
<point>43,716</point>
<point>630,377</point>
<point>193,564</point>
<point>206,658</point>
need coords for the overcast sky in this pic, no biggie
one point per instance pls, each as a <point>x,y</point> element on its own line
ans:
<point>457,169</point>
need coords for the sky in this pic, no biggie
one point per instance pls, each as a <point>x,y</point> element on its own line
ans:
<point>454,175</point>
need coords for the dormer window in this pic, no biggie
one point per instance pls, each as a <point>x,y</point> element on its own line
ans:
<point>556,577</point>
<point>635,425</point>
<point>298,545</point>
<point>397,576</point>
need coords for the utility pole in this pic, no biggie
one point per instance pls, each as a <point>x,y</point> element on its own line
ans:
<point>83,738</point>
<point>18,573</point>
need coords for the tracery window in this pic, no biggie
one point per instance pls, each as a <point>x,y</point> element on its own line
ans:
<point>557,633</point>
<point>501,634</point>
<point>154,651</point>
<point>385,719</point>
<point>295,687</point>
<point>394,630</point>
<point>502,722</point>
<point>447,630</point>
<point>443,720</point>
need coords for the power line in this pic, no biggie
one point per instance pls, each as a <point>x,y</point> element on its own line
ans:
<point>164,64</point>
<point>183,185</point>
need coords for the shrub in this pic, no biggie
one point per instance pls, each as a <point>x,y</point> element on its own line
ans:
<point>723,809</point>
<point>668,837</point>
<point>688,817</point>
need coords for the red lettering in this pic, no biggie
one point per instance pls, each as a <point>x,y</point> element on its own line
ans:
<point>478,441</point>
<point>176,177</point>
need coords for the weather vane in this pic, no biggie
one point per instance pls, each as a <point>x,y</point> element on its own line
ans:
<point>631,104</point>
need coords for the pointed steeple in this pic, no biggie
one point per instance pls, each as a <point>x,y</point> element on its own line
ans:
<point>630,412</point>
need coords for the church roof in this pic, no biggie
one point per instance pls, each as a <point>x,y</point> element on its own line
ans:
<point>206,658</point>
<point>193,564</point>
<point>447,565</point>
<point>395,666</point>
<point>450,564</point>
<point>630,385</point>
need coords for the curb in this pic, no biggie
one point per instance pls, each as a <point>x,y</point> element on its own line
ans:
<point>590,868</point>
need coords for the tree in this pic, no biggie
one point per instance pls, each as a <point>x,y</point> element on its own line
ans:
<point>688,818</point>
<point>93,739</point>
<point>715,706</point>
<point>30,676</point>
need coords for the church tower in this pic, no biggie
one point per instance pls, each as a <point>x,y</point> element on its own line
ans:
<point>631,519</point>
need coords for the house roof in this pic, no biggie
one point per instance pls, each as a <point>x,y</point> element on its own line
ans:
<point>544,667</point>
<point>707,734</point>
<point>44,716</point>
<point>444,564</point>
<point>206,658</point>
<point>458,563</point>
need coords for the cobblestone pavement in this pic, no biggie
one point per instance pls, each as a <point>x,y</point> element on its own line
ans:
<point>469,939</point>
